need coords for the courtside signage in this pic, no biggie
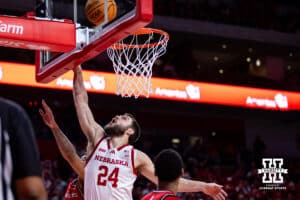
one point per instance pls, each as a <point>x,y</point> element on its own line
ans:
<point>169,89</point>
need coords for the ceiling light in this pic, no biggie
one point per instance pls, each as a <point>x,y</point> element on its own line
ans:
<point>290,54</point>
<point>248,59</point>
<point>221,71</point>
<point>216,58</point>
<point>213,133</point>
<point>250,49</point>
<point>258,63</point>
<point>158,62</point>
<point>175,141</point>
<point>224,46</point>
<point>289,67</point>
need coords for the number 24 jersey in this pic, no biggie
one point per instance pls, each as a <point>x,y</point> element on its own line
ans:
<point>109,172</point>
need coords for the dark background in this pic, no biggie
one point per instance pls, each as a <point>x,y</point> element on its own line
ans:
<point>249,43</point>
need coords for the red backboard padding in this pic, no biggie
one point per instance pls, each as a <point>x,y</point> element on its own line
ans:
<point>34,34</point>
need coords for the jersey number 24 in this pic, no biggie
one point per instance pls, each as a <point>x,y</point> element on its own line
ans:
<point>103,176</point>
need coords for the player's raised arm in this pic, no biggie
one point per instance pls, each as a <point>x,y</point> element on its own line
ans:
<point>92,130</point>
<point>65,147</point>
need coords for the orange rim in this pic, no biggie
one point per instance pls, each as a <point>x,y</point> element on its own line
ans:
<point>143,31</point>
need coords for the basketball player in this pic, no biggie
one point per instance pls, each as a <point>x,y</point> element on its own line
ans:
<point>74,190</point>
<point>168,168</point>
<point>20,167</point>
<point>68,151</point>
<point>112,164</point>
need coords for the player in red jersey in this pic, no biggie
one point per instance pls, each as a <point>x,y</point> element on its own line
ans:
<point>75,187</point>
<point>168,168</point>
<point>74,190</point>
<point>112,162</point>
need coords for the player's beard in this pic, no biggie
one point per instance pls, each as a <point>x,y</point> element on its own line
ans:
<point>114,130</point>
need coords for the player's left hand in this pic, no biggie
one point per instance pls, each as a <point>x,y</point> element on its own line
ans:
<point>47,115</point>
<point>215,191</point>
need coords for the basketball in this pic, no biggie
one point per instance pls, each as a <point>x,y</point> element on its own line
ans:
<point>95,11</point>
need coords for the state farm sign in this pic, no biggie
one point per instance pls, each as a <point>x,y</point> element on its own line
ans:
<point>11,28</point>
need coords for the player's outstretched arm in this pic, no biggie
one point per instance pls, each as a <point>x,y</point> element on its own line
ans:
<point>65,146</point>
<point>212,189</point>
<point>145,166</point>
<point>92,130</point>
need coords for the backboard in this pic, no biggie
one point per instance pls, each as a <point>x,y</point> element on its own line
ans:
<point>90,41</point>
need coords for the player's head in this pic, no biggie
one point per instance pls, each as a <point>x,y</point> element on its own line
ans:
<point>168,165</point>
<point>124,124</point>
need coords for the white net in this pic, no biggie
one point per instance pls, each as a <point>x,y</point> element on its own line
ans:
<point>133,59</point>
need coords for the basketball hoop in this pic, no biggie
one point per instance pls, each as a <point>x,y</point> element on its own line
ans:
<point>133,59</point>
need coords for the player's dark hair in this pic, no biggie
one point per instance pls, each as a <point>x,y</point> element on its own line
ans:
<point>136,128</point>
<point>168,165</point>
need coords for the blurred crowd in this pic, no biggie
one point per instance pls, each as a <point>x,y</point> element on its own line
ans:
<point>206,157</point>
<point>235,168</point>
<point>267,14</point>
